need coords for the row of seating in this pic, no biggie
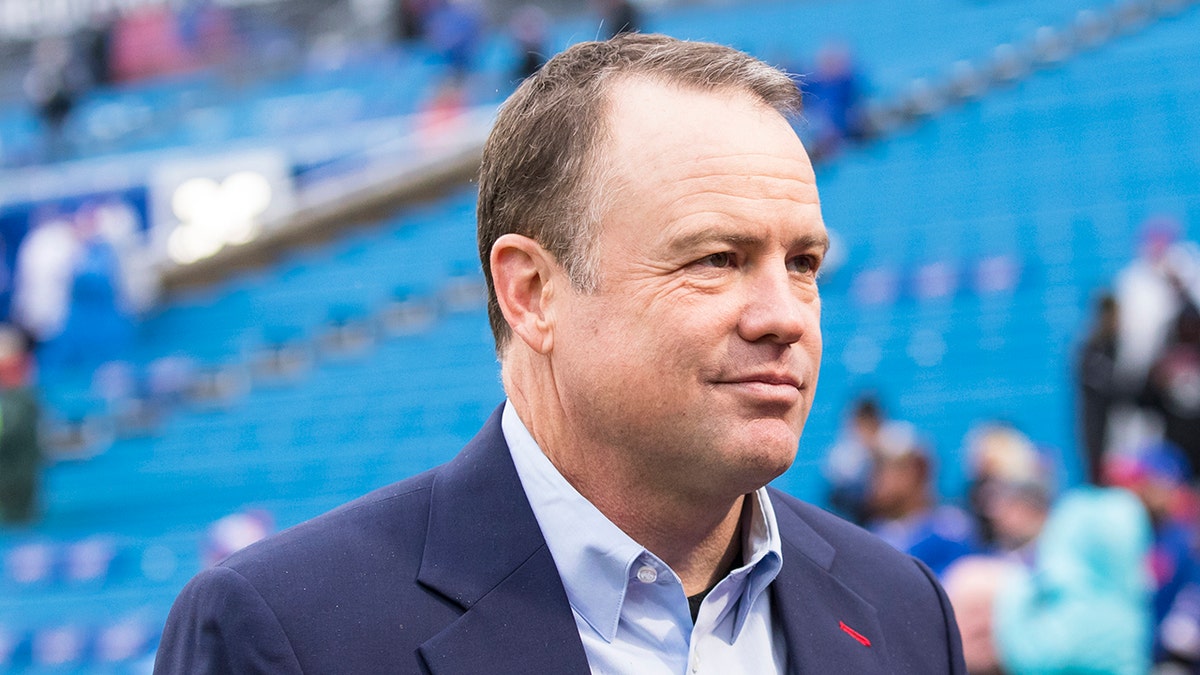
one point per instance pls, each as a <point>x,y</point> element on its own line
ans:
<point>122,646</point>
<point>202,109</point>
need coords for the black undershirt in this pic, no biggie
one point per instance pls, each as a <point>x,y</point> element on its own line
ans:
<point>694,603</point>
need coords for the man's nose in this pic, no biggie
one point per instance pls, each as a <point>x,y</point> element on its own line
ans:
<point>778,308</point>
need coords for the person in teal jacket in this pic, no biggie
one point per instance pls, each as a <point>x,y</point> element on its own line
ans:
<point>1085,606</point>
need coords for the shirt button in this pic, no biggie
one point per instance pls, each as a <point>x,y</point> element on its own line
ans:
<point>647,574</point>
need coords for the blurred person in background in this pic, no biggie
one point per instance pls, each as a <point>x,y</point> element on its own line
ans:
<point>234,532</point>
<point>1085,605</point>
<point>409,17</point>
<point>618,16</point>
<point>99,324</point>
<point>95,41</point>
<point>440,119</point>
<point>146,42</point>
<point>1096,376</point>
<point>1017,509</point>
<point>118,223</point>
<point>972,583</point>
<point>54,83</point>
<point>851,462</point>
<point>1151,292</point>
<point>999,455</point>
<point>904,510</point>
<point>454,30</point>
<point>529,28</point>
<point>1179,635</point>
<point>207,33</point>
<point>1158,475</point>
<point>833,100</point>
<point>20,415</point>
<point>1148,291</point>
<point>1016,499</point>
<point>45,268</point>
<point>1172,389</point>
<point>7,278</point>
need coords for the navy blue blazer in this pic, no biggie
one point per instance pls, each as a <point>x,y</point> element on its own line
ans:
<point>447,572</point>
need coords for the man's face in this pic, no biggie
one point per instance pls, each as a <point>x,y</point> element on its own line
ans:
<point>897,486</point>
<point>695,361</point>
<point>1016,520</point>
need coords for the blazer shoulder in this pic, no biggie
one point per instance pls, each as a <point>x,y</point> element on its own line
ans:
<point>205,630</point>
<point>390,517</point>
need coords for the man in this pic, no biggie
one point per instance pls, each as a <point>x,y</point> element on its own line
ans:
<point>650,231</point>
<point>851,461</point>
<point>20,414</point>
<point>904,509</point>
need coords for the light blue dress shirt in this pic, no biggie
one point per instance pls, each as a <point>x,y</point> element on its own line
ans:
<point>629,606</point>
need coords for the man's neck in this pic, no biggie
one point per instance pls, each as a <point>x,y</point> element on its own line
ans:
<point>699,548</point>
<point>697,535</point>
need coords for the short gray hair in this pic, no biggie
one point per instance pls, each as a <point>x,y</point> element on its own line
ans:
<point>541,169</point>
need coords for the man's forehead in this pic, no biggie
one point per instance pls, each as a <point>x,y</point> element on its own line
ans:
<point>659,98</point>
<point>653,120</point>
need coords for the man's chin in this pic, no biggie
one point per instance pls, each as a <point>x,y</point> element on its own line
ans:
<point>779,431</point>
<point>765,452</point>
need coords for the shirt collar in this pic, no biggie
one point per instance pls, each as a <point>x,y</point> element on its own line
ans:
<point>765,554</point>
<point>595,558</point>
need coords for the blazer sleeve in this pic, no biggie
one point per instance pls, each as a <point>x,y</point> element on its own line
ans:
<point>220,624</point>
<point>956,664</point>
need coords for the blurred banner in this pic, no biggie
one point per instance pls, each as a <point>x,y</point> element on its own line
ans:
<point>199,205</point>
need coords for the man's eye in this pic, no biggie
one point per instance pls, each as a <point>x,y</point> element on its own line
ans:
<point>722,259</point>
<point>804,264</point>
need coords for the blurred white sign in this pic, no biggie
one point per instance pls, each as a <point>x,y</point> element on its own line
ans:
<point>199,206</point>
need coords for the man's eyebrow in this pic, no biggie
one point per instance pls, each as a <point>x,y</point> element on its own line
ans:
<point>810,241</point>
<point>694,240</point>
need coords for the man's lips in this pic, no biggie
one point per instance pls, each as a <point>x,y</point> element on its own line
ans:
<point>774,388</point>
<point>766,378</point>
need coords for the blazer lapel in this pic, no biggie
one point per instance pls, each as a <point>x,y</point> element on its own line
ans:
<point>828,627</point>
<point>485,553</point>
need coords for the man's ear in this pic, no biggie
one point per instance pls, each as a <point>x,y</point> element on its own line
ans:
<point>522,273</point>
